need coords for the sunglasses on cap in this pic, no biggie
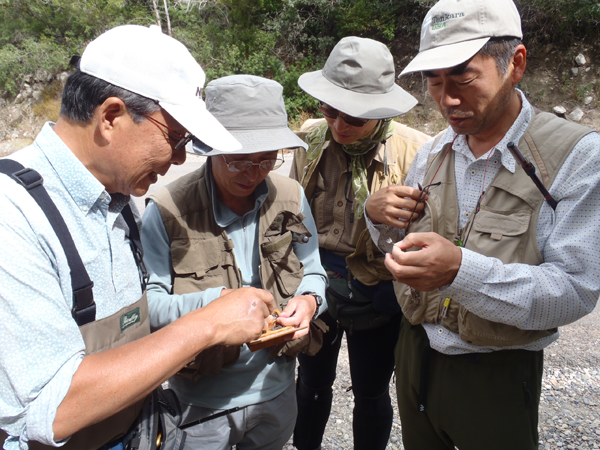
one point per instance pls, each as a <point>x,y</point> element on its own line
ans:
<point>332,113</point>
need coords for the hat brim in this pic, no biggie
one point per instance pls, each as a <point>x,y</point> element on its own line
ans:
<point>445,56</point>
<point>256,141</point>
<point>357,104</point>
<point>203,125</point>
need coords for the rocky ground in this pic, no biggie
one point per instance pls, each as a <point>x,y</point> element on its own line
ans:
<point>570,400</point>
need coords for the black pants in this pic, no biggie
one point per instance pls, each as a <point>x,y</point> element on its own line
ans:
<point>474,401</point>
<point>371,354</point>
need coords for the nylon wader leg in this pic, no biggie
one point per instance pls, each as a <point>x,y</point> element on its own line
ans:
<point>314,406</point>
<point>372,422</point>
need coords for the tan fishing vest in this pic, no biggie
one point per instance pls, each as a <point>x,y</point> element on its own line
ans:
<point>202,253</point>
<point>504,228</point>
<point>129,324</point>
<point>392,163</point>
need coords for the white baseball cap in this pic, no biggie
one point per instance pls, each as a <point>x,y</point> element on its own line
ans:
<point>149,63</point>
<point>453,31</point>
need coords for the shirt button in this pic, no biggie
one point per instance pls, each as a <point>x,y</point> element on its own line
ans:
<point>473,172</point>
<point>440,330</point>
<point>495,161</point>
<point>85,209</point>
<point>117,273</point>
<point>336,231</point>
<point>340,203</point>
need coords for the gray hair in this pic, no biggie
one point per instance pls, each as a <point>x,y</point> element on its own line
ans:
<point>83,93</point>
<point>501,49</point>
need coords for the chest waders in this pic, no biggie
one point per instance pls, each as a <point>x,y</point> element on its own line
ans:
<point>127,325</point>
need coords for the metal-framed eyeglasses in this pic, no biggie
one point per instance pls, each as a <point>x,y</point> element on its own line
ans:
<point>180,140</point>
<point>267,164</point>
<point>332,113</point>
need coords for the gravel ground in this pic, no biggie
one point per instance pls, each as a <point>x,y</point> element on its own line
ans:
<point>570,400</point>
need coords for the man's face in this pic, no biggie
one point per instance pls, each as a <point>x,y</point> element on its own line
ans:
<point>347,134</point>
<point>236,188</point>
<point>472,96</point>
<point>147,150</point>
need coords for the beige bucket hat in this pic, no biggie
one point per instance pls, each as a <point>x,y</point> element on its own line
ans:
<point>359,80</point>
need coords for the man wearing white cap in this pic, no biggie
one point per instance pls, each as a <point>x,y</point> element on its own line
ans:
<point>503,247</point>
<point>231,224</point>
<point>355,150</point>
<point>72,283</point>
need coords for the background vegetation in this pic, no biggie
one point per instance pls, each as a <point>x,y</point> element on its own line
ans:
<point>279,39</point>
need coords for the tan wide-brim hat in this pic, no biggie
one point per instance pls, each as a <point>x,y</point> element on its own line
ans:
<point>453,31</point>
<point>359,80</point>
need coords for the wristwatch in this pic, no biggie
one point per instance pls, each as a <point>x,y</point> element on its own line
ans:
<point>319,301</point>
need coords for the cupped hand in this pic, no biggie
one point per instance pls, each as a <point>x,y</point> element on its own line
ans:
<point>394,205</point>
<point>432,267</point>
<point>298,313</point>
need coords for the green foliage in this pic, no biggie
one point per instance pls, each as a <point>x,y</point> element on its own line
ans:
<point>560,22</point>
<point>28,58</point>
<point>279,39</point>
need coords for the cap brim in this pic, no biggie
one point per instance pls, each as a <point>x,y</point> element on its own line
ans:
<point>445,56</point>
<point>203,125</point>
<point>256,141</point>
<point>356,104</point>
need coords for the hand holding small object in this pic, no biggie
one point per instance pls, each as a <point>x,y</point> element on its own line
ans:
<point>433,266</point>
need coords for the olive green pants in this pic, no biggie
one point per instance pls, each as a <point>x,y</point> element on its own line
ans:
<point>478,401</point>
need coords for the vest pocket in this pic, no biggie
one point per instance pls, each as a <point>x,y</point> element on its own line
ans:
<point>500,233</point>
<point>197,263</point>
<point>287,270</point>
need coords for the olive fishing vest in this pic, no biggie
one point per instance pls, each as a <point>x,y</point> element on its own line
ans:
<point>202,253</point>
<point>392,163</point>
<point>504,228</point>
<point>125,326</point>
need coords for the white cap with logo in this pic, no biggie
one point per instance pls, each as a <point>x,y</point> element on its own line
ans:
<point>453,31</point>
<point>149,63</point>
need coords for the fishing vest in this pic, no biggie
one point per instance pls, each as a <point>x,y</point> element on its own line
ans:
<point>504,228</point>
<point>392,162</point>
<point>202,253</point>
<point>125,326</point>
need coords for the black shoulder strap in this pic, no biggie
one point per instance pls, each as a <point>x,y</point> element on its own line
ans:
<point>136,244</point>
<point>84,307</point>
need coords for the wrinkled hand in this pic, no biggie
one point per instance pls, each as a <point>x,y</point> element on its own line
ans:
<point>434,266</point>
<point>389,205</point>
<point>240,315</point>
<point>298,313</point>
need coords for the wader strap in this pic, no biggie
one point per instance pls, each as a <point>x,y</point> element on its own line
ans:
<point>84,307</point>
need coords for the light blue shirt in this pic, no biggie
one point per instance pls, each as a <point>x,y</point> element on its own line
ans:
<point>40,343</point>
<point>254,378</point>
<point>562,289</point>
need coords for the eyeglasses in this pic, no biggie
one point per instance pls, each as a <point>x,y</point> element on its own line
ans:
<point>266,165</point>
<point>181,139</point>
<point>334,114</point>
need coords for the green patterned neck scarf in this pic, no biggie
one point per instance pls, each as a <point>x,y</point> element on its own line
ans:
<point>357,150</point>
